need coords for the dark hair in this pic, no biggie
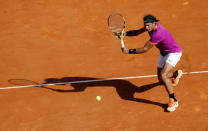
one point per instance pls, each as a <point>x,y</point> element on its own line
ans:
<point>149,19</point>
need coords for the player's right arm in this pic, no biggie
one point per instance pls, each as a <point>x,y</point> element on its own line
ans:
<point>148,45</point>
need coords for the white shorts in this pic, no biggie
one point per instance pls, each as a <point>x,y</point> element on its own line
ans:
<point>171,58</point>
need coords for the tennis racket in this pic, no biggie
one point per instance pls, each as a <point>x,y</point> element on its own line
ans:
<point>116,23</point>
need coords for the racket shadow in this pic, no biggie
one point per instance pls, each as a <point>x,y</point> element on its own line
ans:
<point>124,88</point>
<point>28,83</point>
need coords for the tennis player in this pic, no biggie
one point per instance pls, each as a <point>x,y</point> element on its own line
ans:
<point>170,54</point>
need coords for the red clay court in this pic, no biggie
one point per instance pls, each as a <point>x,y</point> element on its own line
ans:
<point>51,41</point>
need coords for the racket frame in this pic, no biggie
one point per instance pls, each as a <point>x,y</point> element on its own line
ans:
<point>124,25</point>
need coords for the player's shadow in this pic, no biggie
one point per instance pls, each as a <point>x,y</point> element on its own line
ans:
<point>124,88</point>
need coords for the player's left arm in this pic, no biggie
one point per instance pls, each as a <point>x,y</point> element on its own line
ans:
<point>135,32</point>
<point>148,45</point>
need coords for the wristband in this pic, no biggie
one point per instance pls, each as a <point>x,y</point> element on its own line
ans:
<point>132,51</point>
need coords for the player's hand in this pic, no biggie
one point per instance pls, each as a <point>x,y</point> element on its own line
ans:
<point>118,34</point>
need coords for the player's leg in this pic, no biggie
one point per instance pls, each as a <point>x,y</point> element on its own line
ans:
<point>170,62</point>
<point>173,74</point>
<point>173,103</point>
<point>159,69</point>
<point>176,77</point>
<point>160,64</point>
<point>165,77</point>
<point>173,59</point>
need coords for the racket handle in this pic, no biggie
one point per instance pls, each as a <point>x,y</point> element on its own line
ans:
<point>122,43</point>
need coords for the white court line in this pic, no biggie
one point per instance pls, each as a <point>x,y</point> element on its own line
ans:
<point>87,81</point>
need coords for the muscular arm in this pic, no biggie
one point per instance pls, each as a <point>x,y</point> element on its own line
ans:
<point>143,49</point>
<point>135,32</point>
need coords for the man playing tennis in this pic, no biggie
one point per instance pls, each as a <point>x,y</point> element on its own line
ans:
<point>170,54</point>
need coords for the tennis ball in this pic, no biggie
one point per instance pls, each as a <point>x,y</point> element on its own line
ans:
<point>98,98</point>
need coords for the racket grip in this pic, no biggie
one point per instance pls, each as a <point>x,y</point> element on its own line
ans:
<point>122,43</point>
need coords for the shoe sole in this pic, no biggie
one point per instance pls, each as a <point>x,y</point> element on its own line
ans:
<point>171,110</point>
<point>180,73</point>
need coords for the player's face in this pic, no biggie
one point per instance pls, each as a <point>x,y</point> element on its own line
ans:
<point>149,26</point>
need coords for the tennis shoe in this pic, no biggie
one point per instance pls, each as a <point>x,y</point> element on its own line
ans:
<point>177,75</point>
<point>172,105</point>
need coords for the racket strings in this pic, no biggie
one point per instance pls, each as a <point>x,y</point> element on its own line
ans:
<point>116,23</point>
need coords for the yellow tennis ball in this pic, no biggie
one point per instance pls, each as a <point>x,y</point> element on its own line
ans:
<point>98,98</point>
